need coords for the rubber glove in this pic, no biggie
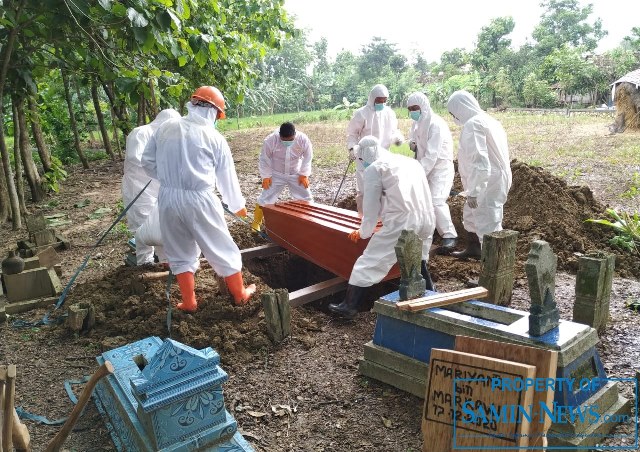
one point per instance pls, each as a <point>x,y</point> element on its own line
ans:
<point>266,183</point>
<point>303,180</point>
<point>472,201</point>
<point>413,146</point>
<point>242,213</point>
<point>354,236</point>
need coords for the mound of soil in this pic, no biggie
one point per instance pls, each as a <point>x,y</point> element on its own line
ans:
<point>541,206</point>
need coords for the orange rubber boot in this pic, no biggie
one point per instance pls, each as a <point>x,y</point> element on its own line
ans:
<point>187,284</point>
<point>240,293</point>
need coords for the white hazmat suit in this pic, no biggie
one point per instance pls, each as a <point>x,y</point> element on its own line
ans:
<point>367,121</point>
<point>191,158</point>
<point>483,163</point>
<point>434,151</point>
<point>396,191</point>
<point>284,164</point>
<point>135,178</point>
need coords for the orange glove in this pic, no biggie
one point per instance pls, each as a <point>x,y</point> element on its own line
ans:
<point>266,183</point>
<point>242,213</point>
<point>304,181</point>
<point>354,236</point>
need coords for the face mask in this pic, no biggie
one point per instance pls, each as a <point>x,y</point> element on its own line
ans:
<point>366,164</point>
<point>415,115</point>
<point>287,144</point>
<point>378,107</point>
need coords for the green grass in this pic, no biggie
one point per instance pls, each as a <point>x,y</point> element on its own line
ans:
<point>275,120</point>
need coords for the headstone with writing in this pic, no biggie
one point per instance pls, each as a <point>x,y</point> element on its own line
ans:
<point>409,253</point>
<point>541,274</point>
<point>546,362</point>
<point>463,411</point>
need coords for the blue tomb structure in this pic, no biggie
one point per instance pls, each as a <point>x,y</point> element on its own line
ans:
<point>166,396</point>
<point>401,347</point>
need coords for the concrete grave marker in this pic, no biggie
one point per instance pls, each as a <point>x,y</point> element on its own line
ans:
<point>541,274</point>
<point>498,265</point>
<point>409,253</point>
<point>593,289</point>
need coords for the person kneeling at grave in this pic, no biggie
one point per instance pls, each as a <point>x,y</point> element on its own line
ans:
<point>396,190</point>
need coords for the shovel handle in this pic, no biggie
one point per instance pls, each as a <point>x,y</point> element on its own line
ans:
<point>58,440</point>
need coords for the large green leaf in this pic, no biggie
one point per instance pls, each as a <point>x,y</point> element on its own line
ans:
<point>137,19</point>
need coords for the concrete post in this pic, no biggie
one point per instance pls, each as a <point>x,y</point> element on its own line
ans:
<point>593,289</point>
<point>498,266</point>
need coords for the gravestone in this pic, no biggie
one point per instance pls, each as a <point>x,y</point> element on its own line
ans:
<point>541,274</point>
<point>593,289</point>
<point>497,271</point>
<point>277,314</point>
<point>409,254</point>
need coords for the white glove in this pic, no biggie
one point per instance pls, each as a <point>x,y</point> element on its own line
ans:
<point>472,201</point>
<point>413,146</point>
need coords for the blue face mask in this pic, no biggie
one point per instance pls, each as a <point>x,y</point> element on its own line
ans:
<point>287,144</point>
<point>378,107</point>
<point>415,115</point>
<point>366,164</point>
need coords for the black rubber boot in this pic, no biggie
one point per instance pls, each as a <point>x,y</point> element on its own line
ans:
<point>349,307</point>
<point>424,271</point>
<point>447,245</point>
<point>473,249</point>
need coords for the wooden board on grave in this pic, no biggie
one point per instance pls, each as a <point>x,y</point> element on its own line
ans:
<point>444,403</point>
<point>546,362</point>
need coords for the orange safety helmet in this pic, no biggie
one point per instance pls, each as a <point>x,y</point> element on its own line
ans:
<point>212,95</point>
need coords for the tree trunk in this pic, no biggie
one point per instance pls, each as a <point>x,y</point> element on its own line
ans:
<point>141,111</point>
<point>115,132</point>
<point>38,136</point>
<point>17,158</point>
<point>30,169</point>
<point>153,100</point>
<point>72,118</point>
<point>118,110</point>
<point>83,111</point>
<point>100,117</point>
<point>7,49</point>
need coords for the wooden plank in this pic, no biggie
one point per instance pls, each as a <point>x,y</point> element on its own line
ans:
<point>7,410</point>
<point>444,406</point>
<point>546,362</point>
<point>260,251</point>
<point>443,299</point>
<point>317,291</point>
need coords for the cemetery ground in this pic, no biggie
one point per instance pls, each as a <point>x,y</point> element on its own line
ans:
<point>305,394</point>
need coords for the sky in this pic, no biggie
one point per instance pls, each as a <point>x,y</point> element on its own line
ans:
<point>434,27</point>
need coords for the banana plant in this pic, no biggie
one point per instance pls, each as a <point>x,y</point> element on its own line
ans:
<point>627,228</point>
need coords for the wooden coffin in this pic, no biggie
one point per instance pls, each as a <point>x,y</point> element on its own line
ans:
<point>319,234</point>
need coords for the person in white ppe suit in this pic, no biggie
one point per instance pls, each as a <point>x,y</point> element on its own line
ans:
<point>396,191</point>
<point>485,170</point>
<point>285,161</point>
<point>135,178</point>
<point>375,119</point>
<point>430,138</point>
<point>191,158</point>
